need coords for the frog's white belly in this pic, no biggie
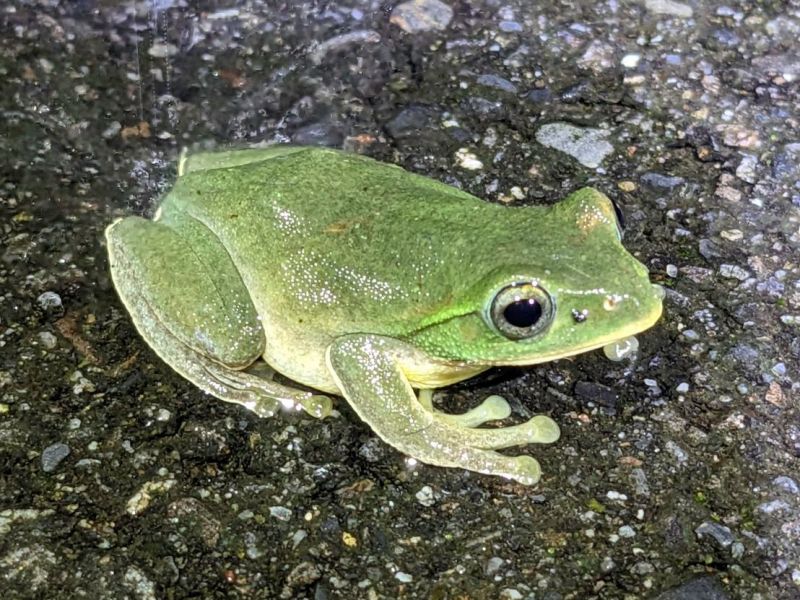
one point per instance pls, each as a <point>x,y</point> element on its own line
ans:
<point>299,355</point>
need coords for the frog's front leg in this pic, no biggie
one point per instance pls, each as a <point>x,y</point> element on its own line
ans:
<point>189,303</point>
<point>369,372</point>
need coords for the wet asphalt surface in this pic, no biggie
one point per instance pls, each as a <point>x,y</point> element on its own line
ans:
<point>677,474</point>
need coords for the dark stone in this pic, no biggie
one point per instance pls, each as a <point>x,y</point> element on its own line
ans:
<point>459,134</point>
<point>597,393</point>
<point>786,162</point>
<point>53,455</point>
<point>539,95</point>
<point>373,451</point>
<point>594,91</point>
<point>583,91</point>
<point>721,534</point>
<point>792,440</point>
<point>726,37</point>
<point>319,134</point>
<point>413,121</point>
<point>708,249</point>
<point>497,82</point>
<point>794,347</point>
<point>205,441</point>
<point>703,588</point>
<point>483,107</point>
<point>657,180</point>
<point>51,303</point>
<point>330,527</point>
<point>745,355</point>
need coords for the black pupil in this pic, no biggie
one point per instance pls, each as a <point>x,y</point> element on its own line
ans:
<point>523,313</point>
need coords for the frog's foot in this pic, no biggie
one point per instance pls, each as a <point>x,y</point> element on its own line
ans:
<point>190,305</point>
<point>258,394</point>
<point>369,372</point>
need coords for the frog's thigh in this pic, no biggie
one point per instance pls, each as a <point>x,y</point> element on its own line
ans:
<point>368,374</point>
<point>191,307</point>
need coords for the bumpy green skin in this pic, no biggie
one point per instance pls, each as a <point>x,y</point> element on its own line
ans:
<point>358,278</point>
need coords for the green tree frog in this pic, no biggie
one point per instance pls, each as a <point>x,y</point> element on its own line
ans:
<point>360,279</point>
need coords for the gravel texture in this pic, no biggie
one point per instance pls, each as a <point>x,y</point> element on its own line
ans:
<point>677,474</point>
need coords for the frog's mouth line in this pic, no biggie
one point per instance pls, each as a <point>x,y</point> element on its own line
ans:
<point>627,332</point>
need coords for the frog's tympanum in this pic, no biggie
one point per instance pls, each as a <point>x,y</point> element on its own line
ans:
<point>358,278</point>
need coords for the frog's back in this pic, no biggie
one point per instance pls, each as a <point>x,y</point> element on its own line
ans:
<point>339,237</point>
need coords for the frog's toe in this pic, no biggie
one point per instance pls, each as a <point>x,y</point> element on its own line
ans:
<point>544,430</point>
<point>522,469</point>
<point>262,407</point>
<point>316,405</point>
<point>493,408</point>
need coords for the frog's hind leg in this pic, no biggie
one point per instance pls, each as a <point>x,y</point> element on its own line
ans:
<point>369,372</point>
<point>190,305</point>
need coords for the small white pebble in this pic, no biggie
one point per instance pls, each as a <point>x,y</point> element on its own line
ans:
<point>48,340</point>
<point>467,160</point>
<point>682,388</point>
<point>631,61</point>
<point>425,496</point>
<point>626,531</point>
<point>733,235</point>
<point>403,577</point>
<point>672,271</point>
<point>733,272</point>
<point>280,512</point>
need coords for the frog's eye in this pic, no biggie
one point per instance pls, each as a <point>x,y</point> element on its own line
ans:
<point>521,310</point>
